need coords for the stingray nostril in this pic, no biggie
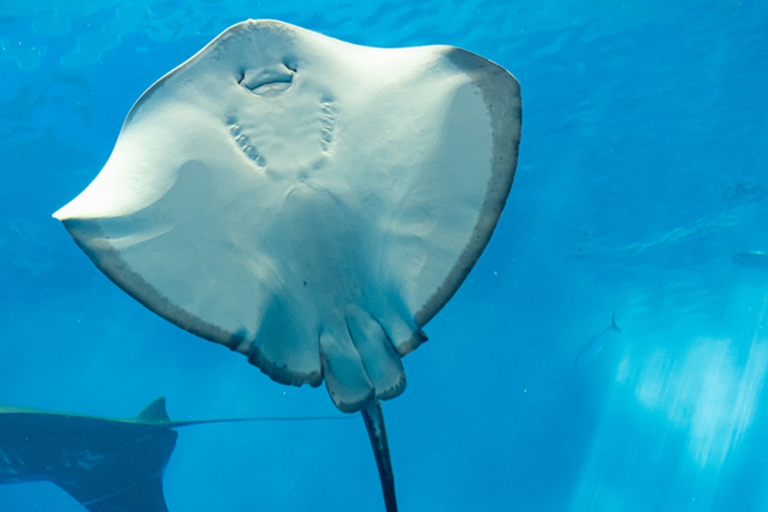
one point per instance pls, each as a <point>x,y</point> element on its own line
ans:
<point>290,63</point>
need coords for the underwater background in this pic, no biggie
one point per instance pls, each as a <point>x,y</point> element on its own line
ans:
<point>642,189</point>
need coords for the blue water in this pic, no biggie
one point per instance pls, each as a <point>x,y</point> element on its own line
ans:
<point>642,183</point>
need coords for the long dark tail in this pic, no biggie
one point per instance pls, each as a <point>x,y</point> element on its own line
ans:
<point>374,424</point>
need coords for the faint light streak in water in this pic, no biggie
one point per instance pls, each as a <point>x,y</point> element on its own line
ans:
<point>676,420</point>
<point>708,392</point>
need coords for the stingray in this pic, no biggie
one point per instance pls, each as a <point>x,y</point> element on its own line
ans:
<point>307,202</point>
<point>105,464</point>
<point>595,345</point>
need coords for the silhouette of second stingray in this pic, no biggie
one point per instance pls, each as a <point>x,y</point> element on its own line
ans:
<point>107,465</point>
<point>596,344</point>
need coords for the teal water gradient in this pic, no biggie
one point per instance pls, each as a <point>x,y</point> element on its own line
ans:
<point>643,176</point>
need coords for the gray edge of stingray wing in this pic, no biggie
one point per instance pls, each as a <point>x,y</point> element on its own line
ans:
<point>501,93</point>
<point>90,238</point>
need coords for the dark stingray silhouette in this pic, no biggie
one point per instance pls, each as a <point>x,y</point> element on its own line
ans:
<point>108,465</point>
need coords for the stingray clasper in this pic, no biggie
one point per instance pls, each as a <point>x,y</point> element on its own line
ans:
<point>307,202</point>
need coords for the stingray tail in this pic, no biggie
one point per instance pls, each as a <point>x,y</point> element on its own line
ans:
<point>374,424</point>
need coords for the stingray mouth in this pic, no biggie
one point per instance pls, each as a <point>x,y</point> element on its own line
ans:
<point>268,80</point>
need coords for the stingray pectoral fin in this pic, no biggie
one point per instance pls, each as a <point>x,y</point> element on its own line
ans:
<point>374,424</point>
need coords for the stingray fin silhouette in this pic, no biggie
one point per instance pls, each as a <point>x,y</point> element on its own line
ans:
<point>107,465</point>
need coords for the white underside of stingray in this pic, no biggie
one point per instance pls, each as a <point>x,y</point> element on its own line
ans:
<point>304,201</point>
